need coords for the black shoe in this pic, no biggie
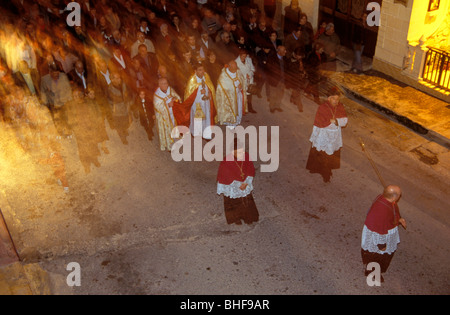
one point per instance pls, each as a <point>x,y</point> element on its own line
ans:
<point>279,109</point>
<point>251,110</point>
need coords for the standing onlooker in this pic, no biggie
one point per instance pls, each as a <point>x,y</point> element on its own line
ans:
<point>212,66</point>
<point>358,43</point>
<point>307,33</point>
<point>331,45</point>
<point>276,78</point>
<point>291,17</point>
<point>293,40</point>
<point>312,65</point>
<point>270,8</point>
<point>141,40</point>
<point>262,69</point>
<point>296,77</point>
<point>120,100</point>
<point>55,93</point>
<point>380,235</point>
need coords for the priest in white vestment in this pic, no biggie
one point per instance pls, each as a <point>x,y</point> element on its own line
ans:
<point>230,96</point>
<point>164,100</point>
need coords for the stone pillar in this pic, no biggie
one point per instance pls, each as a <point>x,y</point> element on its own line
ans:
<point>415,60</point>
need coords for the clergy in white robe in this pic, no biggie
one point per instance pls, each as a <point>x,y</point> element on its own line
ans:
<point>164,100</point>
<point>198,110</point>
<point>230,96</point>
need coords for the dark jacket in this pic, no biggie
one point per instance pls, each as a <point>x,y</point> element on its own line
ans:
<point>276,69</point>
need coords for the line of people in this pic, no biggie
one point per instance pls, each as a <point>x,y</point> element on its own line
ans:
<point>115,62</point>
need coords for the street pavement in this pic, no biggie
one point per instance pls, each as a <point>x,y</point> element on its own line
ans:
<point>144,224</point>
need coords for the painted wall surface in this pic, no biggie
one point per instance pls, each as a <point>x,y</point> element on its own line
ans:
<point>392,44</point>
<point>425,23</point>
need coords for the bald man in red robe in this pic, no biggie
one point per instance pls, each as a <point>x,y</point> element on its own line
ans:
<point>380,235</point>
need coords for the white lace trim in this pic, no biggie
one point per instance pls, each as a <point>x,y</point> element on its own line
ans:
<point>233,190</point>
<point>328,139</point>
<point>370,240</point>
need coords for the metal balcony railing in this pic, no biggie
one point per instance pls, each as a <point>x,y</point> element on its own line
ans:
<point>436,69</point>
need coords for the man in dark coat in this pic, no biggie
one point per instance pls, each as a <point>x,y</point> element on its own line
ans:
<point>276,78</point>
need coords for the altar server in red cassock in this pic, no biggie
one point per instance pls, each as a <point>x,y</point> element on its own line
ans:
<point>326,137</point>
<point>380,235</point>
<point>235,182</point>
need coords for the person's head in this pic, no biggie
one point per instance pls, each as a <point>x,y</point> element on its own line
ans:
<point>176,20</point>
<point>143,23</point>
<point>140,36</point>
<point>117,52</point>
<point>54,72</point>
<point>208,13</point>
<point>294,4</point>
<point>191,40</point>
<point>116,34</point>
<point>194,23</point>
<point>78,30</point>
<point>142,51</point>
<point>243,55</point>
<point>164,28</point>
<point>163,84</point>
<point>392,193</point>
<point>298,53</point>
<point>232,66</point>
<point>162,71</point>
<point>79,67</point>
<point>199,70</point>
<point>303,19</point>
<point>281,51</point>
<point>187,55</point>
<point>298,31</point>
<point>334,96</point>
<point>262,24</point>
<point>136,64</point>
<point>225,37</point>
<point>204,36</point>
<point>329,29</point>
<point>142,94</point>
<point>211,56</point>
<point>102,65</point>
<point>273,36</point>
<point>226,27</point>
<point>266,48</point>
<point>90,93</point>
<point>234,25</point>
<point>116,79</point>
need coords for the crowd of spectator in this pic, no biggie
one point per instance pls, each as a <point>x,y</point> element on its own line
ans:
<point>116,56</point>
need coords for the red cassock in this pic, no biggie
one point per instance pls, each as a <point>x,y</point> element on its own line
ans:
<point>383,216</point>
<point>230,171</point>
<point>325,113</point>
